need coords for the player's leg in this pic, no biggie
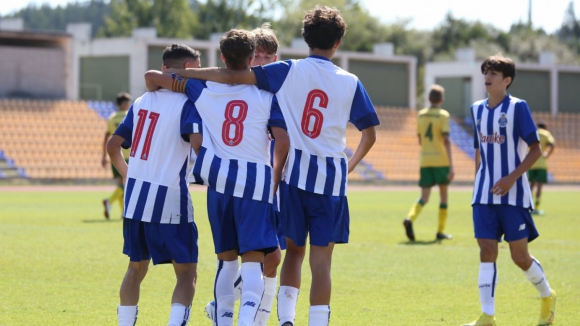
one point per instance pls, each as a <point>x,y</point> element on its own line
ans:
<point>520,230</point>
<point>487,232</point>
<point>293,224</point>
<point>134,246</point>
<point>290,279</point>
<point>129,292</point>
<point>252,286</point>
<point>443,192</point>
<point>426,181</point>
<point>271,262</point>
<point>542,178</point>
<point>320,262</point>
<point>186,275</point>
<point>227,270</point>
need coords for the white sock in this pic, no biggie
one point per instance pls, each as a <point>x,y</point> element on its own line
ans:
<point>252,290</point>
<point>535,275</point>
<point>238,285</point>
<point>224,291</point>
<point>287,298</point>
<point>179,315</point>
<point>487,283</point>
<point>127,315</point>
<point>267,301</point>
<point>319,316</point>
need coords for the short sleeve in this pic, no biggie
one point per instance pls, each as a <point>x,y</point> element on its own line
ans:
<point>445,124</point>
<point>110,125</point>
<point>191,122</point>
<point>125,129</point>
<point>475,138</point>
<point>271,77</point>
<point>551,140</point>
<point>362,112</point>
<point>276,117</point>
<point>525,124</point>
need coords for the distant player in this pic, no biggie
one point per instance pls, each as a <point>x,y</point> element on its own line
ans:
<point>234,161</point>
<point>114,120</point>
<point>158,221</point>
<point>317,99</point>
<point>502,201</point>
<point>436,163</point>
<point>538,173</point>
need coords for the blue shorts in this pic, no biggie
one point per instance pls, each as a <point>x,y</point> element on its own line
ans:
<point>163,243</point>
<point>325,218</point>
<point>241,224</point>
<point>493,221</point>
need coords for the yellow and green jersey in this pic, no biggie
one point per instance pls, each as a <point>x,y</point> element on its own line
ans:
<point>432,124</point>
<point>114,121</point>
<point>546,140</point>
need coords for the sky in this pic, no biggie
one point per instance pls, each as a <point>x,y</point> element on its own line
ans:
<point>427,14</point>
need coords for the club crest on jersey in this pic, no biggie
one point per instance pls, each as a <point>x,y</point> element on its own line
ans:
<point>502,120</point>
<point>495,138</point>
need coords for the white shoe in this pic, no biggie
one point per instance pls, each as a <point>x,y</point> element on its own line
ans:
<point>210,312</point>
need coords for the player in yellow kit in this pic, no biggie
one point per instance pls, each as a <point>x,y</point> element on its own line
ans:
<point>436,164</point>
<point>115,119</point>
<point>538,173</point>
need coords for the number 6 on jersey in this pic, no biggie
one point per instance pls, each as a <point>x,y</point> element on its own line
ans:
<point>312,118</point>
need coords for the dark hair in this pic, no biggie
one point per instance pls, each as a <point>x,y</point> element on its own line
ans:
<point>123,97</point>
<point>323,27</point>
<point>542,125</point>
<point>237,45</point>
<point>175,54</point>
<point>501,64</point>
<point>436,94</point>
<point>266,39</point>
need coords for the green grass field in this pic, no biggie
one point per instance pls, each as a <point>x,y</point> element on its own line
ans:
<point>62,264</point>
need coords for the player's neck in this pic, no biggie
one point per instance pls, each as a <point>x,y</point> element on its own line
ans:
<point>323,53</point>
<point>494,99</point>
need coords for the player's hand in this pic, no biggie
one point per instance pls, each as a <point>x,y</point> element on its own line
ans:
<point>502,186</point>
<point>104,161</point>
<point>451,175</point>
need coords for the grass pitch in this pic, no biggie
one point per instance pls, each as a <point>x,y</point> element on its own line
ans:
<point>62,264</point>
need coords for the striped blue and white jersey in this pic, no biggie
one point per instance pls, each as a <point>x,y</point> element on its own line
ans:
<point>502,134</point>
<point>317,99</point>
<point>234,158</point>
<point>156,189</point>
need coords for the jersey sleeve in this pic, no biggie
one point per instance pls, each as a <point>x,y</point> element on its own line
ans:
<point>475,138</point>
<point>125,129</point>
<point>276,117</point>
<point>271,77</point>
<point>551,140</point>
<point>110,125</point>
<point>525,124</point>
<point>191,122</point>
<point>362,112</point>
<point>445,124</point>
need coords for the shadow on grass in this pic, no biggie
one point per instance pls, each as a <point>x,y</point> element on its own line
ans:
<point>102,220</point>
<point>419,242</point>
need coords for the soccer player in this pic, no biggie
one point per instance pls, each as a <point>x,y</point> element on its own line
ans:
<point>502,200</point>
<point>234,161</point>
<point>436,164</point>
<point>266,52</point>
<point>114,120</point>
<point>317,99</point>
<point>158,221</point>
<point>538,173</point>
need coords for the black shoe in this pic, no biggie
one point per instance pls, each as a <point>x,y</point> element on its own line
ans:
<point>409,229</point>
<point>443,236</point>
